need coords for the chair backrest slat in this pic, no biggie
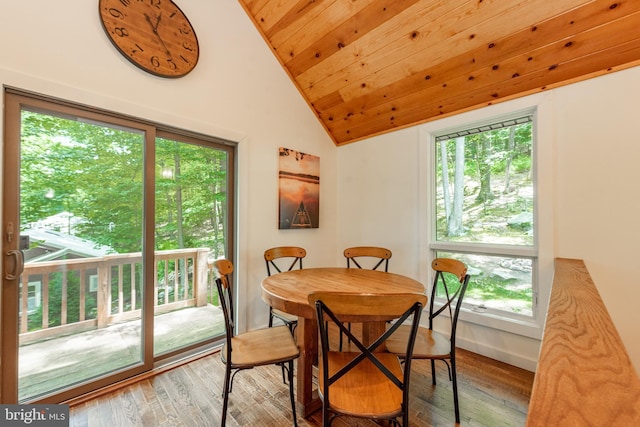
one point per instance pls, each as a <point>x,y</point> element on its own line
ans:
<point>294,254</point>
<point>352,254</point>
<point>453,292</point>
<point>224,268</point>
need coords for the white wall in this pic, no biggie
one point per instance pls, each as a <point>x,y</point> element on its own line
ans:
<point>378,197</point>
<point>237,91</point>
<point>598,191</point>
<point>588,173</point>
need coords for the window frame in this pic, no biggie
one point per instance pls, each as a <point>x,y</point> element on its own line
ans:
<point>540,106</point>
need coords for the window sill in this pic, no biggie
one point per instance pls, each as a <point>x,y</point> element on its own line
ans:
<point>519,326</point>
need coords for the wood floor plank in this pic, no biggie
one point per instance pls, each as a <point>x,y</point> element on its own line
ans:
<point>491,394</point>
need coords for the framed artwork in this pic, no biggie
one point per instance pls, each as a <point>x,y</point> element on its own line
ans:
<point>299,189</point>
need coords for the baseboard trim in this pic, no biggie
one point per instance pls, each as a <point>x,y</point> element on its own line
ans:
<point>501,354</point>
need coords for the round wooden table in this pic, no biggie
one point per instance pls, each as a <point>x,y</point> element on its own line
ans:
<point>288,292</point>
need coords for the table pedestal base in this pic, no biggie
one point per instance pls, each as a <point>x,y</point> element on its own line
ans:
<point>307,335</point>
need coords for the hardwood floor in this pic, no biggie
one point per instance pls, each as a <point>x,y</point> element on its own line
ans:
<point>491,394</point>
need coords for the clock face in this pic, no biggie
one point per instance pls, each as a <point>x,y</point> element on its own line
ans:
<point>153,34</point>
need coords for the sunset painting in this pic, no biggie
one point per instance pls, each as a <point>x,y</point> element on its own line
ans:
<point>299,184</point>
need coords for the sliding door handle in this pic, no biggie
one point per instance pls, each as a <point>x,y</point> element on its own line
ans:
<point>18,266</point>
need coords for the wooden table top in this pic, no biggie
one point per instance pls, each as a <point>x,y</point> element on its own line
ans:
<point>289,291</point>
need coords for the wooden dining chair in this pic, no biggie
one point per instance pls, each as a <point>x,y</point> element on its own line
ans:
<point>368,257</point>
<point>279,259</point>
<point>446,297</point>
<point>365,382</point>
<point>268,346</point>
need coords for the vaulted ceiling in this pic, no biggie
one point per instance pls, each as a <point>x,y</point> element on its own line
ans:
<point>368,67</point>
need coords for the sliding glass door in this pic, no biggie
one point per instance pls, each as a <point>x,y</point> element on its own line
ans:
<point>109,229</point>
<point>190,232</point>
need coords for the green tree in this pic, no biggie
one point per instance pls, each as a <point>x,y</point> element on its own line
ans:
<point>95,172</point>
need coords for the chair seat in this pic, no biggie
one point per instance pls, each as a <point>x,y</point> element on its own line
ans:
<point>285,317</point>
<point>262,347</point>
<point>377,397</point>
<point>428,345</point>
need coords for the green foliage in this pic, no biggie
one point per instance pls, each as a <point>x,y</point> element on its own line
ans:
<point>522,164</point>
<point>489,164</point>
<point>193,193</point>
<point>499,291</point>
<point>96,173</point>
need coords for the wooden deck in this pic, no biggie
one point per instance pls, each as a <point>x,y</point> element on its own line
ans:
<point>55,363</point>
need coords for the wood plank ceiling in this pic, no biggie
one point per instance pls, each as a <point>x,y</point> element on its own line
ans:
<point>368,67</point>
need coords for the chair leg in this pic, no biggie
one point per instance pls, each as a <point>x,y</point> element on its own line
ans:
<point>326,420</point>
<point>225,395</point>
<point>293,401</point>
<point>455,388</point>
<point>433,372</point>
<point>284,378</point>
<point>292,328</point>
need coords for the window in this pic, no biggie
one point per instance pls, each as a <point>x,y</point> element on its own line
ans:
<point>484,210</point>
<point>34,296</point>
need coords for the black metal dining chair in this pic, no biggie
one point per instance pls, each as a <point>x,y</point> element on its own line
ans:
<point>367,257</point>
<point>446,297</point>
<point>268,346</point>
<point>364,381</point>
<point>278,259</point>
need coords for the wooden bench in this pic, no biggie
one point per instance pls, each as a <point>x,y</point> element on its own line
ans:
<point>584,375</point>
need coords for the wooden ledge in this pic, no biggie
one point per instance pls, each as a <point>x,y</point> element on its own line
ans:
<point>584,375</point>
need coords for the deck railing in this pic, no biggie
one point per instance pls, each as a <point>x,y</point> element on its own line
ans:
<point>69,296</point>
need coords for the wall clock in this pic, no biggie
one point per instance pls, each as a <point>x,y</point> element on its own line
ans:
<point>153,34</point>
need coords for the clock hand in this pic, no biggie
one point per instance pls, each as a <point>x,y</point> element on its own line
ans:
<point>154,28</point>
